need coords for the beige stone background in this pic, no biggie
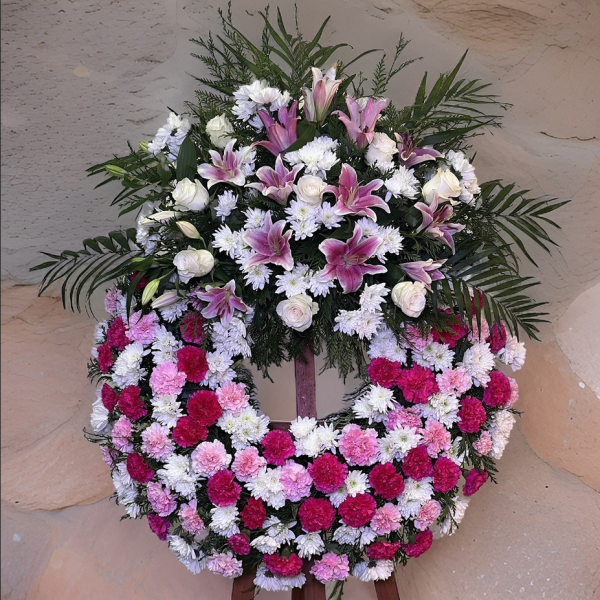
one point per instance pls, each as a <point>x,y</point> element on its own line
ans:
<point>80,77</point>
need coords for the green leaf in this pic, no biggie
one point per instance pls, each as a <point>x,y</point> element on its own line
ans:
<point>187,160</point>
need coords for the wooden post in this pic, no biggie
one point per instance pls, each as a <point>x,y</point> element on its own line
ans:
<point>243,586</point>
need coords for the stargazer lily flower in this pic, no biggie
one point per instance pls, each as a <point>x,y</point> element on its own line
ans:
<point>270,243</point>
<point>346,260</point>
<point>424,271</point>
<point>283,134</point>
<point>434,221</point>
<point>360,125</point>
<point>277,183</point>
<point>318,100</point>
<point>226,167</point>
<point>222,301</point>
<point>353,199</point>
<point>409,155</point>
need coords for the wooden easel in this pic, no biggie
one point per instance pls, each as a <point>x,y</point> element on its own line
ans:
<point>306,406</point>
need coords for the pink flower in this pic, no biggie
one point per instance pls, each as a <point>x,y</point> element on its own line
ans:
<point>113,301</point>
<point>226,167</point>
<point>192,328</point>
<point>417,464</point>
<point>425,271</point>
<point>473,481</point>
<point>276,183</point>
<point>383,550</point>
<point>471,415</point>
<point>240,544</point>
<point>316,514</point>
<point>360,125</point>
<point>248,463</point>
<point>222,489</point>
<point>156,442</point>
<point>331,567</point>
<point>121,435</point>
<point>281,135</point>
<point>428,513</point>
<point>209,458</point>
<point>138,468</point>
<point>225,564</point>
<point>109,397</point>
<point>116,336</point>
<point>271,244</point>
<point>514,392</point>
<point>417,384</point>
<point>434,221</point>
<point>383,372</point>
<point>497,338</point>
<point>386,481</point>
<point>410,155</point>
<point>204,407</point>
<point>358,446</point>
<point>278,446</point>
<point>346,260</point>
<point>232,396</point>
<point>422,543</point>
<point>403,417</point>
<point>191,361</point>
<point>353,199</point>
<point>167,379</point>
<point>188,432</point>
<point>159,525</point>
<point>436,437</point>
<point>328,473</point>
<point>318,100</point>
<point>161,499</point>
<point>105,357</point>
<point>358,510</point>
<point>498,390</point>
<point>457,332</point>
<point>130,403</point>
<point>484,444</point>
<point>386,519</point>
<point>416,340</point>
<point>283,566</point>
<point>109,456</point>
<point>253,515</point>
<point>296,481</point>
<point>454,381</point>
<point>222,301</point>
<point>190,519</point>
<point>445,475</point>
<point>142,328</point>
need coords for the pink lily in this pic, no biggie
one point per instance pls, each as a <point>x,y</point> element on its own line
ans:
<point>276,183</point>
<point>360,125</point>
<point>346,260</point>
<point>353,199</point>
<point>318,100</point>
<point>226,167</point>
<point>283,134</point>
<point>222,301</point>
<point>434,221</point>
<point>424,271</point>
<point>409,155</point>
<point>271,244</point>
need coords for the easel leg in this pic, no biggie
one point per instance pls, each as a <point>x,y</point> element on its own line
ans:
<point>388,589</point>
<point>243,586</point>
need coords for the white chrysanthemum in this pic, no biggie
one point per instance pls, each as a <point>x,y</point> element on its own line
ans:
<point>226,203</point>
<point>167,410</point>
<point>399,441</point>
<point>257,276</point>
<point>265,544</point>
<point>255,218</point>
<point>304,229</point>
<point>381,569</point>
<point>369,227</point>
<point>126,488</point>
<point>403,183</point>
<point>369,323</point>
<point>367,535</point>
<point>231,339</point>
<point>316,284</point>
<point>454,453</point>
<point>385,345</point>
<point>391,242</point>
<point>447,526</point>
<point>434,356</point>
<point>300,211</point>
<point>356,482</point>
<point>294,282</point>
<point>164,346</point>
<point>442,408</point>
<point>267,486</point>
<point>415,494</point>
<point>348,321</point>
<point>468,181</point>
<point>100,332</point>
<point>170,136</point>
<point>181,548</point>
<point>272,583</point>
<point>328,437</point>
<point>337,497</point>
<point>193,564</point>
<point>374,404</point>
<point>127,368</point>
<point>300,427</point>
<point>309,446</point>
<point>317,156</point>
<point>178,475</point>
<point>328,217</point>
<point>245,427</point>
<point>279,531</point>
<point>99,418</point>
<point>219,369</point>
<point>478,361</point>
<point>133,510</point>
<point>346,534</point>
<point>373,296</point>
<point>228,241</point>
<point>513,353</point>
<point>309,544</point>
<point>174,311</point>
<point>224,520</point>
<point>502,424</point>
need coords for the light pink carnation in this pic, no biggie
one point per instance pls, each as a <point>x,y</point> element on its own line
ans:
<point>428,513</point>
<point>436,437</point>
<point>479,336</point>
<point>403,417</point>
<point>161,499</point>
<point>296,481</point>
<point>484,444</point>
<point>225,564</point>
<point>358,446</point>
<point>142,328</point>
<point>109,456</point>
<point>113,302</point>
<point>167,379</point>
<point>331,567</point>
<point>156,442</point>
<point>514,392</point>
<point>232,396</point>
<point>190,519</point>
<point>454,381</point>
<point>386,519</point>
<point>415,341</point>
<point>121,435</point>
<point>209,458</point>
<point>248,464</point>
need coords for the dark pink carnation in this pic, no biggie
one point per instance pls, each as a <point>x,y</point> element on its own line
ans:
<point>446,474</point>
<point>254,513</point>
<point>383,372</point>
<point>473,481</point>
<point>142,282</point>
<point>222,488</point>
<point>188,432</point>
<point>204,407</point>
<point>116,336</point>
<point>497,338</point>
<point>192,361</point>
<point>109,397</point>
<point>138,468</point>
<point>386,481</point>
<point>278,446</point>
<point>283,566</point>
<point>498,390</point>
<point>471,415</point>
<point>358,510</point>
<point>328,473</point>
<point>130,403</point>
<point>159,525</point>
<point>383,550</point>
<point>192,327</point>
<point>417,464</point>
<point>417,384</point>
<point>422,543</point>
<point>457,332</point>
<point>105,358</point>
<point>240,544</point>
<point>316,514</point>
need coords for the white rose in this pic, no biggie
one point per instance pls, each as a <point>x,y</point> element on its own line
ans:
<point>297,312</point>
<point>190,196</point>
<point>444,183</point>
<point>409,297</point>
<point>309,189</point>
<point>219,129</point>
<point>381,149</point>
<point>193,263</point>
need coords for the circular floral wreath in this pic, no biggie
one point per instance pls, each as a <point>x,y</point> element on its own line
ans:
<point>280,217</point>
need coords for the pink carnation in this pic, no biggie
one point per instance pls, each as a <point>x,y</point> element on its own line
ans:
<point>296,481</point>
<point>383,372</point>
<point>358,446</point>
<point>105,358</point>
<point>116,336</point>
<point>283,566</point>
<point>473,481</point>
<point>278,446</point>
<point>130,403</point>
<point>121,435</point>
<point>403,417</point>
<point>386,519</point>
<point>167,380</point>
<point>436,437</point>
<point>188,432</point>
<point>498,390</point>
<point>192,361</point>
<point>417,464</point>
<point>138,468</point>
<point>316,514</point>
<point>161,499</point>
<point>358,510</point>
<point>331,567</point>
<point>109,456</point>
<point>514,392</point>
<point>192,328</point>
<point>328,473</point>
<point>113,301</point>
<point>454,381</point>
<point>497,338</point>
<point>209,458</point>
<point>253,515</point>
<point>383,550</point>
<point>190,519</point>
<point>159,525</point>
<point>471,415</point>
<point>222,489</point>
<point>240,544</point>
<point>416,340</point>
<point>248,463</point>
<point>386,481</point>
<point>109,397</point>
<point>143,328</point>
<point>156,442</point>
<point>484,444</point>
<point>428,513</point>
<point>225,564</point>
<point>417,384</point>
<point>422,543</point>
<point>204,407</point>
<point>446,474</point>
<point>232,396</point>
<point>457,331</point>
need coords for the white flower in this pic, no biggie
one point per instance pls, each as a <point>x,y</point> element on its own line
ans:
<point>99,419</point>
<point>502,424</point>
<point>309,544</point>
<point>382,569</point>
<point>381,149</point>
<point>300,211</point>
<point>178,475</point>
<point>268,487</point>
<point>164,346</point>
<point>294,282</point>
<point>265,544</point>
<point>385,345</point>
<point>309,189</point>
<point>356,482</point>
<point>190,196</point>
<point>369,227</point>
<point>170,136</point>
<point>373,296</point>
<point>327,436</point>
<point>403,183</point>
<point>224,520</point>
<point>167,410</point>
<point>173,311</point>
<point>443,184</point>
<point>513,353</point>
<point>410,297</point>
<point>346,534</point>
<point>374,404</point>
<point>257,276</point>
<point>328,217</point>
<point>272,583</point>
<point>478,361</point>
<point>226,203</point>
<point>192,263</point>
<point>228,241</point>
<point>447,526</point>
<point>255,218</point>
<point>126,488</point>
<point>317,285</point>
<point>442,408</point>
<point>367,535</point>
<point>279,531</point>
<point>415,494</point>
<point>302,426</point>
<point>304,229</point>
<point>219,128</point>
<point>337,497</point>
<point>398,442</point>
<point>435,356</point>
<point>391,242</point>
<point>297,312</point>
<point>454,453</point>
<point>100,332</point>
<point>127,368</point>
<point>317,156</point>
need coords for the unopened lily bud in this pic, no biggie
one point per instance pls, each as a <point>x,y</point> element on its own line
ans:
<point>166,299</point>
<point>150,290</point>
<point>143,146</point>
<point>188,230</point>
<point>159,217</point>
<point>115,171</point>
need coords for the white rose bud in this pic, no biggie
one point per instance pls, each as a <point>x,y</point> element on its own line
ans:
<point>409,297</point>
<point>188,230</point>
<point>297,312</point>
<point>381,149</point>
<point>190,196</point>
<point>219,129</point>
<point>193,263</point>
<point>444,183</point>
<point>309,189</point>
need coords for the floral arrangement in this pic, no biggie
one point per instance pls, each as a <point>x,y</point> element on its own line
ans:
<point>291,209</point>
